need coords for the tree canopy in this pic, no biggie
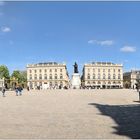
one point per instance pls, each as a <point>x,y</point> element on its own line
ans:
<point>4,72</point>
<point>21,76</point>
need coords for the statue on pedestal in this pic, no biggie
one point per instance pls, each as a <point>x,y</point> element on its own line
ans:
<point>75,68</point>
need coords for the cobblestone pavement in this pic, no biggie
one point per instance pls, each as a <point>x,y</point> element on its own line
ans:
<point>70,114</point>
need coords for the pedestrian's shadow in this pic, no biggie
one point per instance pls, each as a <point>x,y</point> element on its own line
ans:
<point>127,117</point>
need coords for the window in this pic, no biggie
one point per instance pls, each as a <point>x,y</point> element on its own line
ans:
<point>55,70</point>
<point>104,76</point>
<point>98,70</point>
<point>35,76</point>
<point>45,76</point>
<point>40,83</point>
<point>30,76</point>
<point>35,83</point>
<point>99,76</point>
<point>103,70</point>
<point>108,70</point>
<point>114,76</point>
<point>40,70</point>
<point>30,71</point>
<point>61,84</point>
<point>119,70</point>
<point>56,84</point>
<point>55,76</point>
<point>50,83</point>
<point>45,70</point>
<point>88,82</point>
<point>60,70</point>
<point>35,71</point>
<point>93,70</point>
<point>61,76</point>
<point>99,82</point>
<point>88,76</point>
<point>50,76</point>
<point>108,76</point>
<point>31,85</point>
<point>50,70</point>
<point>88,70</point>
<point>93,76</point>
<point>114,70</point>
<point>40,76</point>
<point>119,76</point>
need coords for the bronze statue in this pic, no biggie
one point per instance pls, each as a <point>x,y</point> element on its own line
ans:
<point>75,68</point>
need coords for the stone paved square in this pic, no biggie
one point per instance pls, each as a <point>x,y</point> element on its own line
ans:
<point>70,114</point>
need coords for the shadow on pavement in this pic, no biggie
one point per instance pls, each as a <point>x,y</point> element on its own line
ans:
<point>127,117</point>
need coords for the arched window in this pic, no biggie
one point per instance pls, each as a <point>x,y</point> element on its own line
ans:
<point>109,82</point>
<point>50,84</point>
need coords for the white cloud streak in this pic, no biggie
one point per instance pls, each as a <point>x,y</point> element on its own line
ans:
<point>5,29</point>
<point>102,42</point>
<point>128,49</point>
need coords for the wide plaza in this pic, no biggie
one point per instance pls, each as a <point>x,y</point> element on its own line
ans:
<point>70,114</point>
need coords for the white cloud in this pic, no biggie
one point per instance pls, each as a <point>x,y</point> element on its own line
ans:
<point>128,49</point>
<point>2,3</point>
<point>102,42</point>
<point>5,29</point>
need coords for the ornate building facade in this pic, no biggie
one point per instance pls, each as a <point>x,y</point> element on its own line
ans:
<point>102,75</point>
<point>131,79</point>
<point>47,75</point>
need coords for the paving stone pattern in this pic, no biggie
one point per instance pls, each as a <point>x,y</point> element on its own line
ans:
<point>70,114</point>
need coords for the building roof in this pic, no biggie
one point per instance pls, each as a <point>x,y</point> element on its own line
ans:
<point>102,63</point>
<point>45,64</point>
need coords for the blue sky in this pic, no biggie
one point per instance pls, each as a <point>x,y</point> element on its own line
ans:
<point>32,32</point>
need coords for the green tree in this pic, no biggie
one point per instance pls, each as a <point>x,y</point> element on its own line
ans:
<point>4,72</point>
<point>21,76</point>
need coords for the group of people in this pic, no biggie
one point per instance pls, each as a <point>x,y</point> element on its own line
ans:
<point>18,90</point>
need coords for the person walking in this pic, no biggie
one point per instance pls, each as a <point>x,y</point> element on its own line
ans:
<point>20,90</point>
<point>16,90</point>
<point>3,91</point>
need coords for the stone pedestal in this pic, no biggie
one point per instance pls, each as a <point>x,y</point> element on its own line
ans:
<point>76,80</point>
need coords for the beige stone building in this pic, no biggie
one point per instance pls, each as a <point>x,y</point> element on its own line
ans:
<point>102,75</point>
<point>47,75</point>
<point>131,79</point>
